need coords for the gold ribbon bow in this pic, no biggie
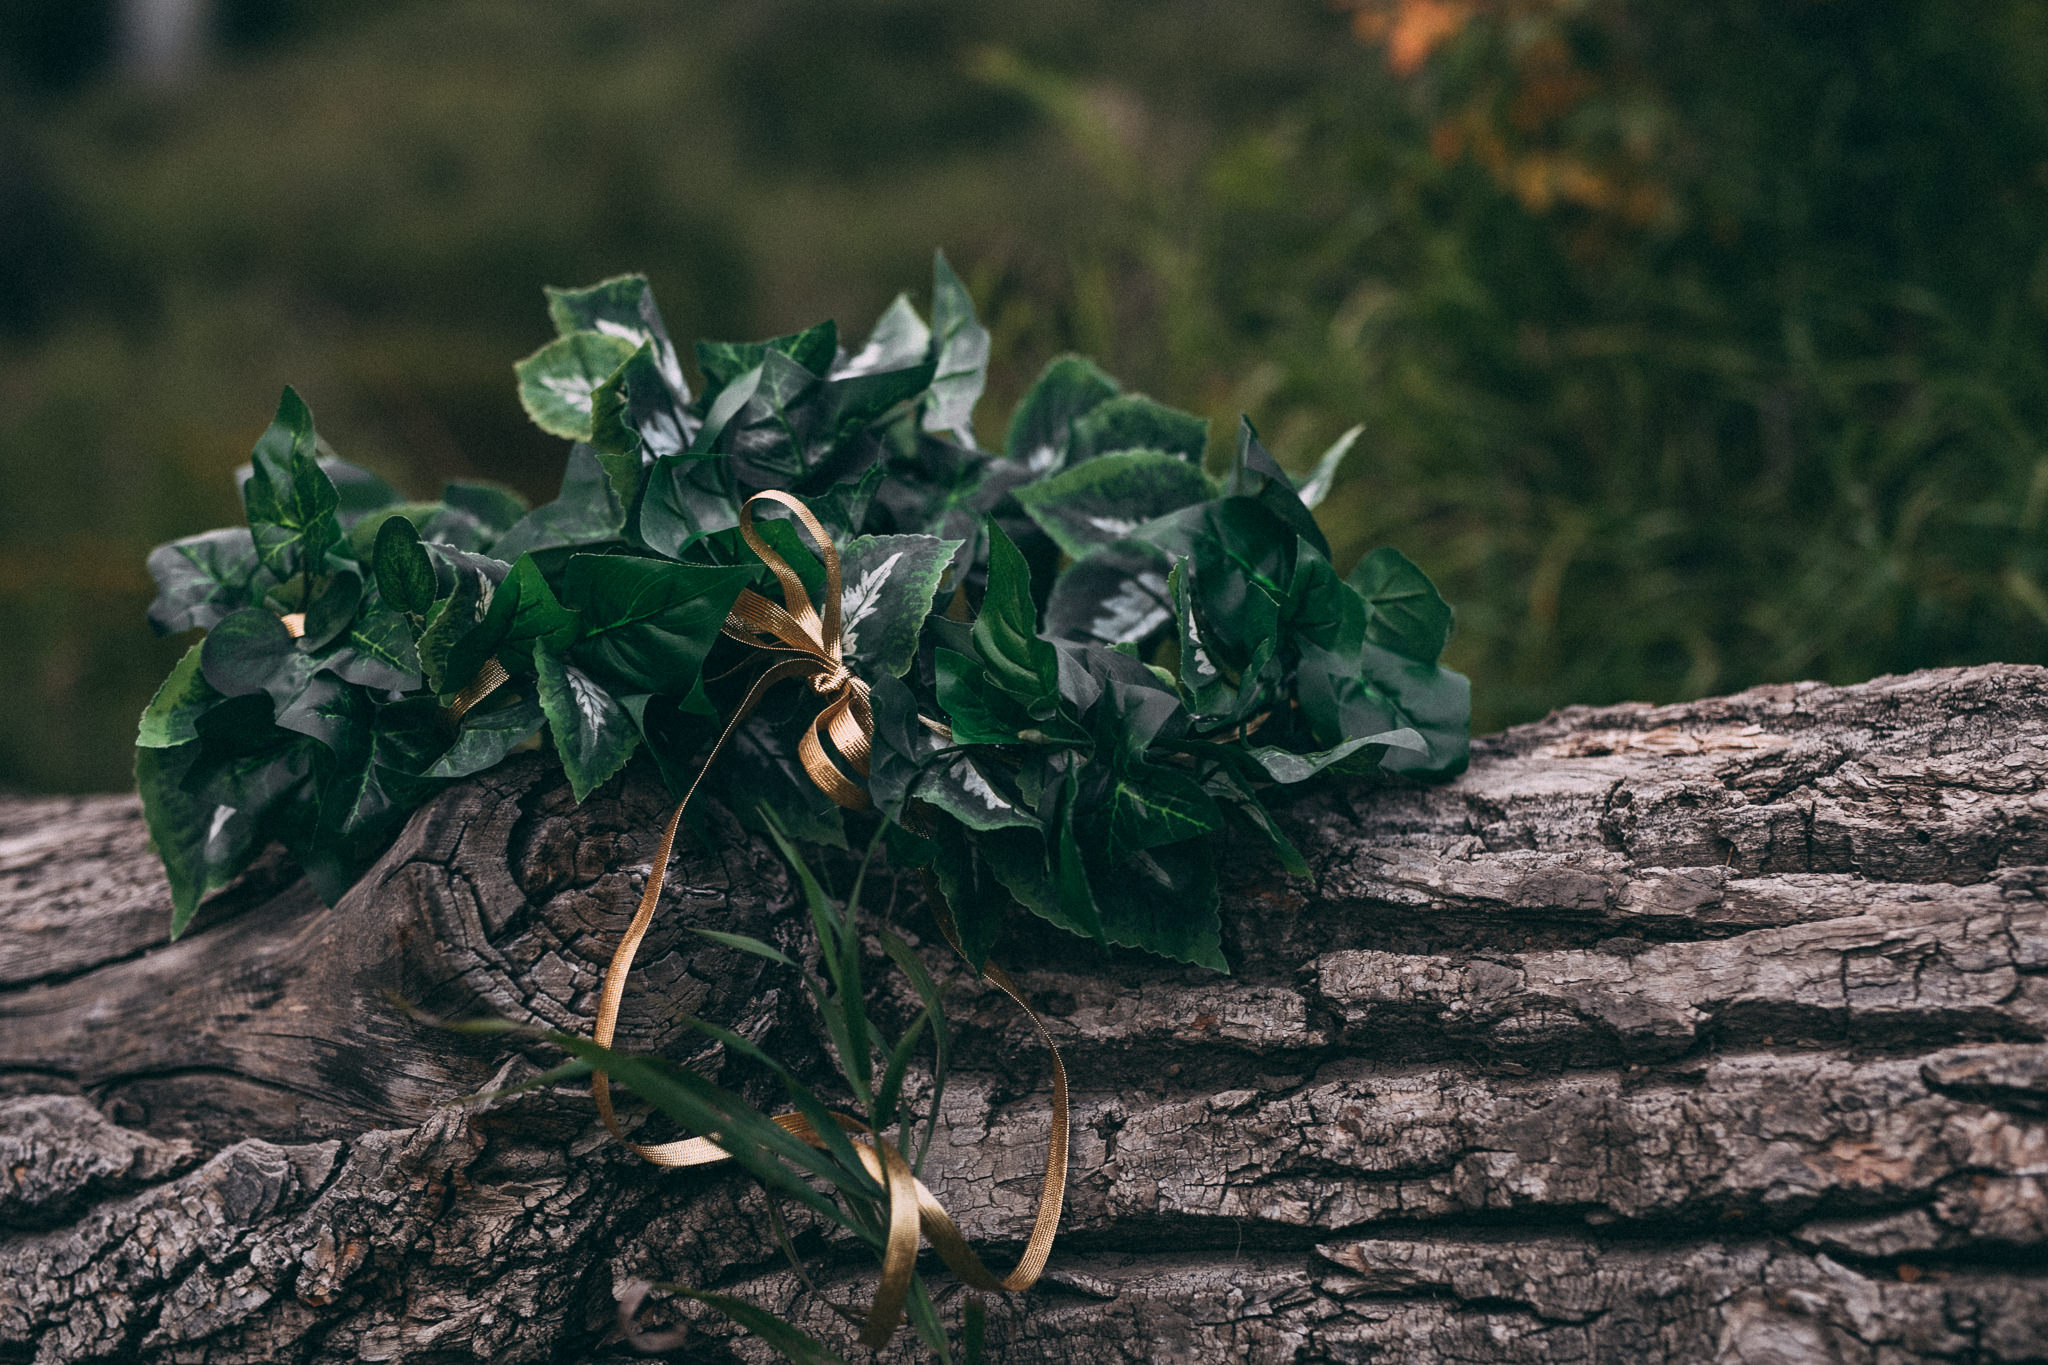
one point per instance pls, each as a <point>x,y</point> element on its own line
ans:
<point>816,651</point>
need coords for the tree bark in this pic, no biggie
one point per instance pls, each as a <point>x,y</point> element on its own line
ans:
<point>1704,1032</point>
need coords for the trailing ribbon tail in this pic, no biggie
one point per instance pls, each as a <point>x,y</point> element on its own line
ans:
<point>816,650</point>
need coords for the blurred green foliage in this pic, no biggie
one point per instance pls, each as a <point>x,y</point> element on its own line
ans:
<point>1697,346</point>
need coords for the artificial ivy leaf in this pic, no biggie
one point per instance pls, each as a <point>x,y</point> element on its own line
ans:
<point>290,501</point>
<point>251,652</point>
<point>647,623</point>
<point>890,582</point>
<point>330,711</point>
<point>1433,701</point>
<point>910,760</point>
<point>202,578</point>
<point>367,798</point>
<point>1258,476</point>
<point>1117,595</point>
<point>1135,422</point>
<point>1150,806</point>
<point>378,652</point>
<point>1286,766</point>
<point>972,893</point>
<point>1321,607</point>
<point>172,716</point>
<point>622,307</point>
<point>804,433</point>
<point>1376,690</point>
<point>1109,497</point>
<point>1165,901</point>
<point>203,844</point>
<point>1405,613</point>
<point>404,572</point>
<point>978,711</point>
<point>634,417</point>
<point>722,362</point>
<point>451,621</point>
<point>684,498</point>
<point>900,340</point>
<point>555,382</point>
<point>1039,431</point>
<point>593,733</point>
<point>523,615</point>
<point>1077,906</point>
<point>1323,478</point>
<point>1129,703</point>
<point>1227,785</point>
<point>586,512</point>
<point>1006,631</point>
<point>497,509</point>
<point>332,609</point>
<point>1240,581</point>
<point>843,507</point>
<point>900,747</point>
<point>960,353</point>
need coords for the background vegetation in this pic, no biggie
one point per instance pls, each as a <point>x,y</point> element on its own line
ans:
<point>1697,345</point>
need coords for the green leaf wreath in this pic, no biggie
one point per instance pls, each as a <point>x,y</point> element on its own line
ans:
<point>1085,652</point>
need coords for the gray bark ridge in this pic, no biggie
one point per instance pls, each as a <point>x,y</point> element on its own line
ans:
<point>1710,1032</point>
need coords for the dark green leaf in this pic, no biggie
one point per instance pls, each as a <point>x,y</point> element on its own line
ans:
<point>1165,901</point>
<point>291,503</point>
<point>1257,475</point>
<point>593,733</point>
<point>1405,613</point>
<point>488,733</point>
<point>960,352</point>
<point>1006,630</point>
<point>634,417</point>
<point>451,621</point>
<point>251,652</point>
<point>724,361</point>
<point>1117,595</point>
<point>202,578</point>
<point>890,582</point>
<point>555,382</point>
<point>899,341</point>
<point>523,615</point>
<point>1324,477</point>
<point>1151,805</point>
<point>378,651</point>
<point>623,307</point>
<point>1135,422</point>
<point>647,624</point>
<point>1040,429</point>
<point>203,845</point>
<point>172,716</point>
<point>586,512</point>
<point>1321,607</point>
<point>405,575</point>
<point>332,609</point>
<point>1110,497</point>
<point>683,498</point>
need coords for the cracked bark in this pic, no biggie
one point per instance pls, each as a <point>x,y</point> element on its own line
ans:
<point>1708,1032</point>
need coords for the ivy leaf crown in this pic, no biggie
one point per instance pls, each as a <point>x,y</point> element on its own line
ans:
<point>1086,653</point>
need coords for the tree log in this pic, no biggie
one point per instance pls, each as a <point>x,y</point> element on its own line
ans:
<point>1702,1032</point>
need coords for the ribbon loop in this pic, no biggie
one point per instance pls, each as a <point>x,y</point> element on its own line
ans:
<point>816,651</point>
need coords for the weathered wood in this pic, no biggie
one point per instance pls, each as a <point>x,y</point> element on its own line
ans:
<point>1709,1032</point>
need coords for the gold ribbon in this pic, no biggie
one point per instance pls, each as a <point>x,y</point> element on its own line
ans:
<point>816,651</point>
